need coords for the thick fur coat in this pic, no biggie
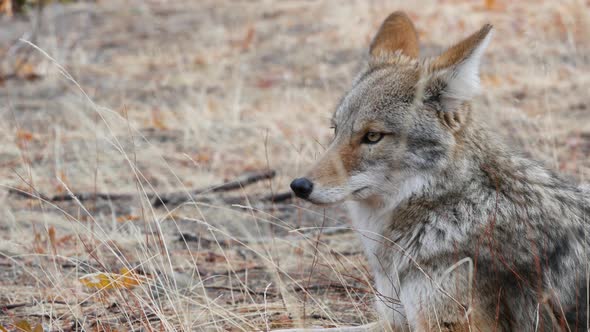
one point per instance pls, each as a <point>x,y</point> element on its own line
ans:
<point>463,233</point>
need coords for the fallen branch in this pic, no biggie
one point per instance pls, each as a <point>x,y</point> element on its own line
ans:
<point>15,305</point>
<point>335,287</point>
<point>177,198</point>
<point>84,196</point>
<point>90,197</point>
<point>240,290</point>
<point>310,288</point>
<point>170,199</point>
<point>278,198</point>
<point>241,200</point>
<point>28,304</point>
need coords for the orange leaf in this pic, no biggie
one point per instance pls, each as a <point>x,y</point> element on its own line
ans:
<point>38,328</point>
<point>128,278</point>
<point>38,245</point>
<point>6,7</point>
<point>2,329</point>
<point>23,325</point>
<point>52,241</point>
<point>100,280</point>
<point>158,120</point>
<point>23,135</point>
<point>127,218</point>
<point>493,5</point>
<point>200,60</point>
<point>248,39</point>
<point>492,80</point>
<point>203,157</point>
<point>65,239</point>
<point>26,70</point>
<point>51,233</point>
<point>96,280</point>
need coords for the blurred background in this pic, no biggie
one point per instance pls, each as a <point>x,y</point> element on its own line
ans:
<point>146,149</point>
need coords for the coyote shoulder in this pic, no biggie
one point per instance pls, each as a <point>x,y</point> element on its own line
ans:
<point>464,233</point>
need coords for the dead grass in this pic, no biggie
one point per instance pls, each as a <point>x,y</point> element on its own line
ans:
<point>184,94</point>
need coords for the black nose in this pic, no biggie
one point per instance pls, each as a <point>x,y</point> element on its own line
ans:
<point>302,187</point>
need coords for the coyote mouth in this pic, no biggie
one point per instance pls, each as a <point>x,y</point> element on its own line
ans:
<point>329,196</point>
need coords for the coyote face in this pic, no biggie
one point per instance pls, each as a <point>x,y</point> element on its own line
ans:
<point>383,139</point>
<point>400,123</point>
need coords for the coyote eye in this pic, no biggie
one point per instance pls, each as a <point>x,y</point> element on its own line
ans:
<point>372,137</point>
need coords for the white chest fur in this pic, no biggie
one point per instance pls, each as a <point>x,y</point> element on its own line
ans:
<point>369,224</point>
<point>385,257</point>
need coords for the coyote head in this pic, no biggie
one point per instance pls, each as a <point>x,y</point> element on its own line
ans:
<point>401,123</point>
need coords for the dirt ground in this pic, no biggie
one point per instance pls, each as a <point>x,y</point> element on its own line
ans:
<point>142,97</point>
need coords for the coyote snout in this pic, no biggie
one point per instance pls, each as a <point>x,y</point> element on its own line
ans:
<point>338,176</point>
<point>326,183</point>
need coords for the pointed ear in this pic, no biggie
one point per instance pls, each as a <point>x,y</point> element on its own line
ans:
<point>462,65</point>
<point>397,33</point>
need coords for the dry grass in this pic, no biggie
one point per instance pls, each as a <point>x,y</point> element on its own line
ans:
<point>178,94</point>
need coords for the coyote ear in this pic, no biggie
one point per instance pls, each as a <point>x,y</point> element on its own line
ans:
<point>397,33</point>
<point>462,63</point>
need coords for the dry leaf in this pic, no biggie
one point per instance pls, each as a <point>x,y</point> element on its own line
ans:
<point>158,120</point>
<point>38,328</point>
<point>200,61</point>
<point>128,278</point>
<point>298,251</point>
<point>491,80</point>
<point>51,233</point>
<point>23,325</point>
<point>101,280</point>
<point>52,241</point>
<point>204,156</point>
<point>65,239</point>
<point>38,244</point>
<point>265,83</point>
<point>493,5</point>
<point>127,218</point>
<point>6,7</point>
<point>96,280</point>
<point>247,41</point>
<point>23,135</point>
<point>2,329</point>
<point>26,70</point>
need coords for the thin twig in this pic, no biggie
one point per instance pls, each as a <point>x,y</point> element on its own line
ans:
<point>177,198</point>
<point>173,198</point>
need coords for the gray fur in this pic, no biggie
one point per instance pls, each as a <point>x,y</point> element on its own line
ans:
<point>440,188</point>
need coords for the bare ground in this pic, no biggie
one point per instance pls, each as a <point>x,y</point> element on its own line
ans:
<point>144,97</point>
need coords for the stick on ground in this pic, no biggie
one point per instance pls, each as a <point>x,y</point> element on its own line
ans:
<point>158,200</point>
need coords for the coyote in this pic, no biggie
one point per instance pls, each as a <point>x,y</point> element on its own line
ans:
<point>464,233</point>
